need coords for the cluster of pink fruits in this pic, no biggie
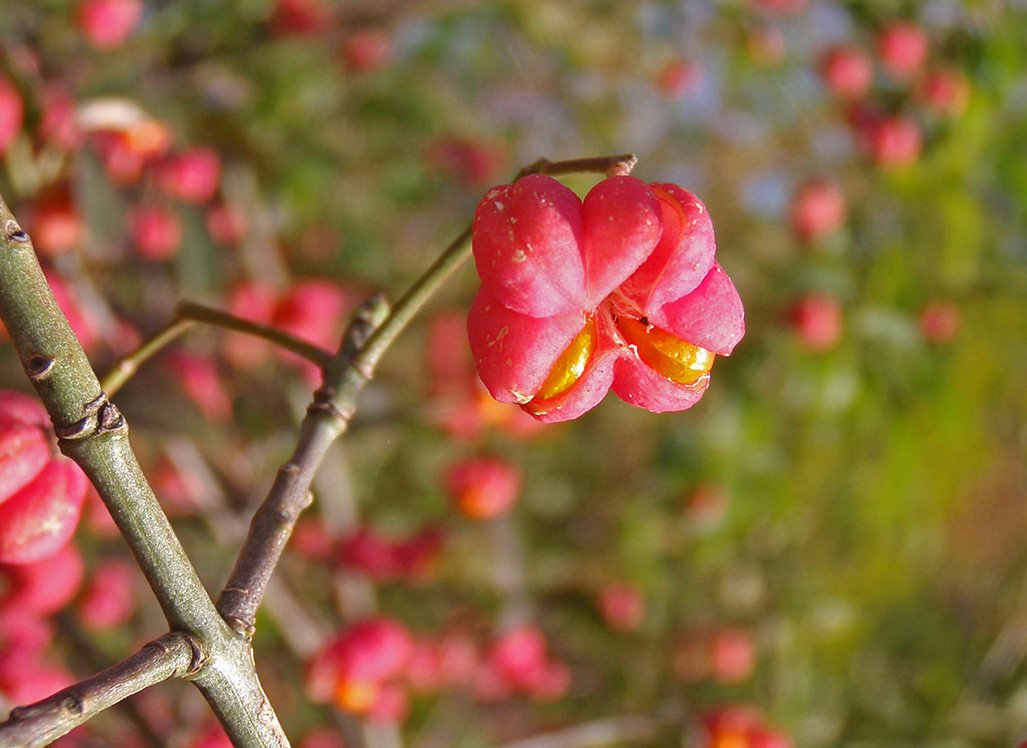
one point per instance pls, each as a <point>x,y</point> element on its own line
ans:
<point>41,572</point>
<point>904,56</point>
<point>371,667</point>
<point>902,53</point>
<point>859,76</point>
<point>41,493</point>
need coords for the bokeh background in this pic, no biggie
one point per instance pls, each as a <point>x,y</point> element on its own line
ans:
<point>833,537</point>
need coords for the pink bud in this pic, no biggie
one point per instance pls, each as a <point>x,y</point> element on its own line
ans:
<point>366,50</point>
<point>450,661</point>
<point>519,656</point>
<point>903,49</point>
<point>123,164</point>
<point>202,383</point>
<point>25,679</point>
<point>944,92</point>
<point>847,71</point>
<point>26,631</point>
<point>254,302</point>
<point>370,651</point>
<point>551,682</point>
<point>370,553</point>
<point>731,721</point>
<point>312,539</point>
<point>449,366</point>
<point>764,737</point>
<point>940,322</point>
<point>180,492</point>
<point>417,554</point>
<point>732,655</point>
<point>484,487</point>
<point>301,17</point>
<point>679,77</point>
<point>390,705</point>
<point>313,310</point>
<point>895,142</point>
<point>357,671</point>
<point>97,518</point>
<point>469,161</point>
<point>422,671</point>
<point>622,605</point>
<point>192,176</point>
<point>85,323</point>
<point>818,321</point>
<point>106,24</point>
<point>226,224</point>
<point>57,124</point>
<point>211,736</point>
<point>156,233</point>
<point>818,209</point>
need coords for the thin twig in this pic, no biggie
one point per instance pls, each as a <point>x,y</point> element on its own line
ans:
<point>302,633</point>
<point>186,316</point>
<point>217,318</point>
<point>94,434</point>
<point>171,656</point>
<point>273,522</point>
<point>345,375</point>
<point>83,647</point>
<point>126,368</point>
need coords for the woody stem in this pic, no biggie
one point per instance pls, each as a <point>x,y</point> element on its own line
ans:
<point>186,316</point>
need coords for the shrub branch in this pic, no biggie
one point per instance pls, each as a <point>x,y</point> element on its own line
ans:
<point>92,432</point>
<point>90,429</point>
<point>173,655</point>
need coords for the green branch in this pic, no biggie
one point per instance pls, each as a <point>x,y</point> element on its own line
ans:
<point>170,656</point>
<point>94,434</point>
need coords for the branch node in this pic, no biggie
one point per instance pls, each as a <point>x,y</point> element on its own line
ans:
<point>72,703</point>
<point>198,659</point>
<point>39,367</point>
<point>537,167</point>
<point>157,644</point>
<point>100,416</point>
<point>623,166</point>
<point>324,404</point>
<point>243,629</point>
<point>16,233</point>
<point>365,319</point>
